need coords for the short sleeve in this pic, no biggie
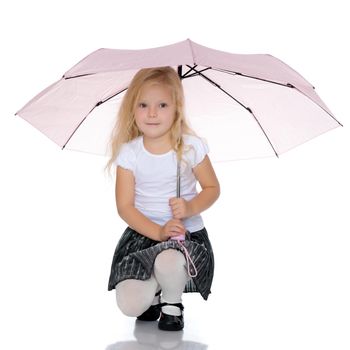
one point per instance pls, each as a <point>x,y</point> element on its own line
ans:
<point>199,149</point>
<point>126,158</point>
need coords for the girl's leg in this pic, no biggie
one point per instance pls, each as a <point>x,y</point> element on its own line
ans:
<point>171,273</point>
<point>135,296</point>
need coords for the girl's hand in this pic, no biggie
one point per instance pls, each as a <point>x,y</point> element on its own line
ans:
<point>180,208</point>
<point>172,228</point>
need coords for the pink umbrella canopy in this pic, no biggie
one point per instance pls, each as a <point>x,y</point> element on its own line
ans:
<point>244,105</point>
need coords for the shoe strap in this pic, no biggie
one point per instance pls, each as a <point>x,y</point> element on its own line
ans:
<point>179,305</point>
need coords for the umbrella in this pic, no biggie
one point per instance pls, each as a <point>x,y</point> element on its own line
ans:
<point>244,105</point>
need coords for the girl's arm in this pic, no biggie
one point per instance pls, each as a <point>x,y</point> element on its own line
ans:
<point>125,196</point>
<point>206,177</point>
<point>205,174</point>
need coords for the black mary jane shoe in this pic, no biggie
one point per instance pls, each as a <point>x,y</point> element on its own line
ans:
<point>152,313</point>
<point>171,322</point>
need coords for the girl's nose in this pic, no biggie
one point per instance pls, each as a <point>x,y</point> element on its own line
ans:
<point>152,112</point>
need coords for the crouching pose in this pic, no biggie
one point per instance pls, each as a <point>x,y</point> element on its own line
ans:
<point>165,249</point>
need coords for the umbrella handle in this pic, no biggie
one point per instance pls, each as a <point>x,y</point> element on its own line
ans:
<point>181,238</point>
<point>178,185</point>
<point>178,181</point>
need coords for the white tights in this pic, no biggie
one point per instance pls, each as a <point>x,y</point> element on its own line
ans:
<point>169,274</point>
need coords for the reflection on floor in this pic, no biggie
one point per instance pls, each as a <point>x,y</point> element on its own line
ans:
<point>148,336</point>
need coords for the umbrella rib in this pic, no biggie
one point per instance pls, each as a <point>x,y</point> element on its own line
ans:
<point>252,77</point>
<point>301,92</point>
<point>96,105</point>
<point>179,71</point>
<point>240,103</point>
<point>281,84</point>
<point>275,82</point>
<point>191,69</point>
<point>186,75</point>
<point>77,76</point>
<point>119,92</point>
<point>262,129</point>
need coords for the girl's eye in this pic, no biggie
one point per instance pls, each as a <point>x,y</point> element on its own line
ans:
<point>162,105</point>
<point>142,105</point>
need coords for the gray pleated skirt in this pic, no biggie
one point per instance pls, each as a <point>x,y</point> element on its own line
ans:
<point>135,254</point>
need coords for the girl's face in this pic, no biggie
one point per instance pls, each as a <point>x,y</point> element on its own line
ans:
<point>155,110</point>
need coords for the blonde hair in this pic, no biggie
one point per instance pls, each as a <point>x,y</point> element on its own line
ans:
<point>125,128</point>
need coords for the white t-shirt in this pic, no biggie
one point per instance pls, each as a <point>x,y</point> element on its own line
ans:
<point>155,178</point>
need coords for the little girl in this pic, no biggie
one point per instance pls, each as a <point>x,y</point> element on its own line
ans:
<point>165,250</point>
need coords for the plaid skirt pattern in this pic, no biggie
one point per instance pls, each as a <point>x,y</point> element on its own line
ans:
<point>135,254</point>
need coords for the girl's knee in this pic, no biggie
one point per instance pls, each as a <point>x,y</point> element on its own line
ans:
<point>130,307</point>
<point>170,261</point>
<point>134,297</point>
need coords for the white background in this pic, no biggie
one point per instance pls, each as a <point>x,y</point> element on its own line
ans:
<point>280,230</point>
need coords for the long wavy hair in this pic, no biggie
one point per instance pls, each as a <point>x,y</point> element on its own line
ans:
<point>125,128</point>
